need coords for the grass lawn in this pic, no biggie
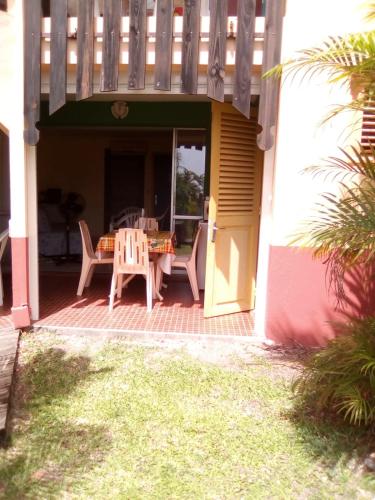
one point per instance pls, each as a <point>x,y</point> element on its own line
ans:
<point>115,420</point>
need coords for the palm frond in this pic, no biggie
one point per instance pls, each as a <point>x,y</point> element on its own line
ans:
<point>341,57</point>
<point>340,377</point>
<point>355,162</point>
<point>342,229</point>
<point>369,7</point>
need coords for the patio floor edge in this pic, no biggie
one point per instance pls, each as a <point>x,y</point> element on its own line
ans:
<point>145,334</point>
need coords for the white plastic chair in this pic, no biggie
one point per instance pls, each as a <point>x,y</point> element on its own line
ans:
<point>89,258</point>
<point>188,262</point>
<point>3,243</point>
<point>125,218</point>
<point>147,223</point>
<point>131,258</point>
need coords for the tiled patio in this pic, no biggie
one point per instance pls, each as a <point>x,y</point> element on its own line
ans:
<point>177,314</point>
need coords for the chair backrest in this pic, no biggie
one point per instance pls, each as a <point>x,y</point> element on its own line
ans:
<point>160,218</point>
<point>195,244</point>
<point>3,242</point>
<point>131,249</point>
<point>147,223</point>
<point>87,248</point>
<point>126,221</point>
<point>125,218</point>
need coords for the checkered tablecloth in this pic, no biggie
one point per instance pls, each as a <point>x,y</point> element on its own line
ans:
<point>158,242</point>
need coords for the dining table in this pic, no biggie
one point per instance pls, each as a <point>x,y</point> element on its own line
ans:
<point>161,247</point>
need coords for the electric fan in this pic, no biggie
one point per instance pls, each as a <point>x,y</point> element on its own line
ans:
<point>71,206</point>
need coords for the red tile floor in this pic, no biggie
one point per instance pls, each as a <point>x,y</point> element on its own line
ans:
<point>177,313</point>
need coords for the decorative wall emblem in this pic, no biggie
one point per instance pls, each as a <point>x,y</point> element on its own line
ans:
<point>120,109</point>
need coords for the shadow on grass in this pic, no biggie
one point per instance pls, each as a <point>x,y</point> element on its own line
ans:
<point>49,453</point>
<point>331,441</point>
<point>324,435</point>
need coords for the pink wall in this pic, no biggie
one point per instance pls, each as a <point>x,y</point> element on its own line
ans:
<point>300,306</point>
<point>20,309</point>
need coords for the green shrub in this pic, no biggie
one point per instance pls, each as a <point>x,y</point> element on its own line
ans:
<point>340,378</point>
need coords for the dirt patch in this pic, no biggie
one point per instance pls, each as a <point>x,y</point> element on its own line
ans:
<point>273,361</point>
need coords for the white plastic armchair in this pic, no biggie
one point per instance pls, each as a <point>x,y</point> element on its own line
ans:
<point>3,243</point>
<point>89,259</point>
<point>147,224</point>
<point>125,218</point>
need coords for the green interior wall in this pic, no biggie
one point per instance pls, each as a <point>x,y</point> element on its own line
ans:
<point>141,114</point>
<point>164,114</point>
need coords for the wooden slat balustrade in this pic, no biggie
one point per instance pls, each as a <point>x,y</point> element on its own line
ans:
<point>190,48</point>
<point>228,50</point>
<point>163,45</point>
<point>85,49</point>
<point>32,13</point>
<point>59,24</point>
<point>111,45</point>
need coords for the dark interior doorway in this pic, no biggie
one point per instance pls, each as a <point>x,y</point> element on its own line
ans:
<point>162,187</point>
<point>124,182</point>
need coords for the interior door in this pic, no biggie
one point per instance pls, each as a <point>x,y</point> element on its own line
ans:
<point>124,182</point>
<point>162,189</point>
<point>235,187</point>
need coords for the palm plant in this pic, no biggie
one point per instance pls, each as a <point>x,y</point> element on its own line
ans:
<point>341,377</point>
<point>342,230</point>
<point>349,59</point>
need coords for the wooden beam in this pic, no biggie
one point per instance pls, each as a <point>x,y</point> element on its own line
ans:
<point>32,21</point>
<point>163,45</point>
<point>190,47</point>
<point>85,49</point>
<point>269,87</point>
<point>244,56</point>
<point>217,49</point>
<point>111,45</point>
<point>137,45</point>
<point>57,75</point>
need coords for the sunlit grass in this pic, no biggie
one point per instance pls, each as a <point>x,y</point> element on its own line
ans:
<point>120,421</point>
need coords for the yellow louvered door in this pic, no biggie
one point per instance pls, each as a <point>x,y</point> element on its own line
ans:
<point>235,187</point>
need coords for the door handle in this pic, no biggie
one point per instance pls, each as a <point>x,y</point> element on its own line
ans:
<point>214,231</point>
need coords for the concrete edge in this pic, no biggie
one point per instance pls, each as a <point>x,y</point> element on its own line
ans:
<point>141,335</point>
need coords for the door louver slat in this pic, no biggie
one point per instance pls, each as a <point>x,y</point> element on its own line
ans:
<point>237,165</point>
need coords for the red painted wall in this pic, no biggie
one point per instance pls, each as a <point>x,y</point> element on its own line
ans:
<point>300,305</point>
<point>20,309</point>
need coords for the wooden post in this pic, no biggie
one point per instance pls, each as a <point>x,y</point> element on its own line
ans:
<point>244,56</point>
<point>269,87</point>
<point>217,49</point>
<point>32,20</point>
<point>111,45</point>
<point>163,45</point>
<point>57,80</point>
<point>85,49</point>
<point>137,45</point>
<point>190,47</point>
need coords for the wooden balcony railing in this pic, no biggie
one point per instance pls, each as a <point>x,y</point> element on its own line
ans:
<point>191,54</point>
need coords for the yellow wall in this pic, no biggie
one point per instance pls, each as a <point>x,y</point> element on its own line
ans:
<point>74,161</point>
<point>301,138</point>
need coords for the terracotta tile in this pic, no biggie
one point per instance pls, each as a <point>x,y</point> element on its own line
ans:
<point>176,313</point>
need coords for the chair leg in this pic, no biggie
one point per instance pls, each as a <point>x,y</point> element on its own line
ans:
<point>112,291</point>
<point>89,277</point>
<point>192,274</point>
<point>86,267</point>
<point>149,290</point>
<point>119,285</point>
